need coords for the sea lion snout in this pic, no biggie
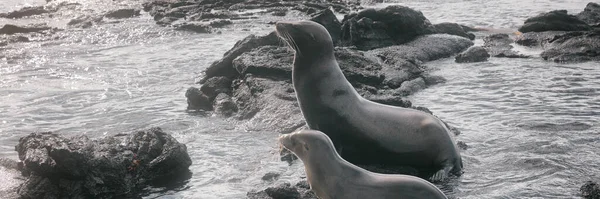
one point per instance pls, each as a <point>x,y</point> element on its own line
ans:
<point>286,141</point>
<point>283,26</point>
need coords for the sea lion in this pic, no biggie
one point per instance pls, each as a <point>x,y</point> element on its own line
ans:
<point>332,177</point>
<point>363,132</point>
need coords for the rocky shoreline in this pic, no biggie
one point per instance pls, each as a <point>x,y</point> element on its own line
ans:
<point>382,52</point>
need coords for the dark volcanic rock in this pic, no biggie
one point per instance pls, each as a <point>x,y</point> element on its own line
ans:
<point>574,47</point>
<point>224,67</point>
<point>197,27</point>
<point>266,61</point>
<point>452,29</point>
<point>25,12</point>
<point>197,100</point>
<point>473,54</point>
<point>113,167</point>
<point>7,39</point>
<point>537,38</point>
<point>224,105</point>
<point>591,14</point>
<point>557,20</point>
<point>123,13</point>
<point>216,85</point>
<point>425,48</point>
<point>590,190</point>
<point>284,191</point>
<point>13,29</point>
<point>376,28</point>
<point>498,45</point>
<point>330,22</point>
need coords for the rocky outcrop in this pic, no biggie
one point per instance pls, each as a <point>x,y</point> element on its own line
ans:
<point>252,81</point>
<point>499,45</point>
<point>376,28</point>
<point>84,21</point>
<point>590,190</point>
<point>574,47</point>
<point>473,54</point>
<point>123,13</point>
<point>7,39</point>
<point>117,166</point>
<point>557,20</point>
<point>166,11</point>
<point>591,14</point>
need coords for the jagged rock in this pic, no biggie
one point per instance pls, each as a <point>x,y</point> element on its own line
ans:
<point>10,29</point>
<point>574,47</point>
<point>473,54</point>
<point>216,85</point>
<point>499,45</point>
<point>453,29</point>
<point>224,105</point>
<point>197,27</point>
<point>557,20</point>
<point>535,39</point>
<point>224,67</point>
<point>266,61</point>
<point>425,48</point>
<point>25,12</point>
<point>590,14</point>
<point>328,19</point>
<point>117,166</point>
<point>123,13</point>
<point>197,100</point>
<point>411,86</point>
<point>376,28</point>
<point>590,190</point>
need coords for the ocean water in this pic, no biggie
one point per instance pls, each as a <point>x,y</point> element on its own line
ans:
<point>532,126</point>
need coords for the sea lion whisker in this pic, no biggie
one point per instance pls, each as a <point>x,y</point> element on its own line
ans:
<point>294,44</point>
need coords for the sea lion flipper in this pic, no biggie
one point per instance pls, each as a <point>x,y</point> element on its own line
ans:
<point>440,175</point>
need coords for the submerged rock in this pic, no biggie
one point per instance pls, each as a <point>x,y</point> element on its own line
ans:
<point>473,54</point>
<point>376,28</point>
<point>537,39</point>
<point>117,166</point>
<point>123,13</point>
<point>10,29</point>
<point>284,191</point>
<point>197,27</point>
<point>499,45</point>
<point>590,190</point>
<point>557,20</point>
<point>84,21</point>
<point>574,47</point>
<point>26,12</point>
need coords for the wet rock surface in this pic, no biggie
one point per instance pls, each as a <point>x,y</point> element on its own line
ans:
<point>119,166</point>
<point>499,45</point>
<point>376,28</point>
<point>557,20</point>
<point>453,29</point>
<point>123,13</point>
<point>590,190</point>
<point>574,47</point>
<point>473,54</point>
<point>10,29</point>
<point>590,14</point>
<point>300,190</point>
<point>26,12</point>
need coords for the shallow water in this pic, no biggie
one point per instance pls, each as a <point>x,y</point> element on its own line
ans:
<point>532,126</point>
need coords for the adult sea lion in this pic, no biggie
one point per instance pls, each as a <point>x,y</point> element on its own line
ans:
<point>332,177</point>
<point>364,132</point>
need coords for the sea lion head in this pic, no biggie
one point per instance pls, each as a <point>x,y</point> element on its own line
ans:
<point>304,143</point>
<point>307,38</point>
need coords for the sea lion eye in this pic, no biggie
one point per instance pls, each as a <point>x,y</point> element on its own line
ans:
<point>305,146</point>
